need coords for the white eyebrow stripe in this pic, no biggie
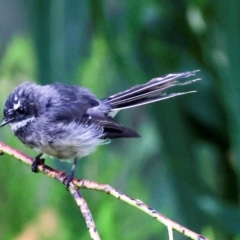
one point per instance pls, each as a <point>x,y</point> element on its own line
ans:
<point>16,105</point>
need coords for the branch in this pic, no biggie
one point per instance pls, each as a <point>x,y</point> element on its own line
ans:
<point>60,176</point>
<point>82,204</point>
<point>171,225</point>
<point>82,183</point>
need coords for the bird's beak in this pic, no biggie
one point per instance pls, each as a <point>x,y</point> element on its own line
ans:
<point>5,121</point>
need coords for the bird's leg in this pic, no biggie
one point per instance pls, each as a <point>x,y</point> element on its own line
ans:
<point>70,176</point>
<point>37,160</point>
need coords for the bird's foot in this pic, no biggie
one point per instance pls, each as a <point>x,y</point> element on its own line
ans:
<point>68,179</point>
<point>37,160</point>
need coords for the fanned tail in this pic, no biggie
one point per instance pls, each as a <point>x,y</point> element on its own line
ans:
<point>152,91</point>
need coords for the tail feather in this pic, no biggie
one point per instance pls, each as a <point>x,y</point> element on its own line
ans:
<point>152,91</point>
<point>140,102</point>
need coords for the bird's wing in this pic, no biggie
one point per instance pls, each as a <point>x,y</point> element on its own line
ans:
<point>76,104</point>
<point>112,129</point>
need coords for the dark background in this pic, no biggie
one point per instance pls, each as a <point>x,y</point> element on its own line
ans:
<point>187,163</point>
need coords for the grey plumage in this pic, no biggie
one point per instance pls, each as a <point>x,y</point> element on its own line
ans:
<point>69,122</point>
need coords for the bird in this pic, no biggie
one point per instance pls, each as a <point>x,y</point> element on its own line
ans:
<point>68,122</point>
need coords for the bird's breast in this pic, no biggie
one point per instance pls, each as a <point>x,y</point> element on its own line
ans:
<point>65,142</point>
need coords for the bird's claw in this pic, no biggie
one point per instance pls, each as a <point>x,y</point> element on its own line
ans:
<point>37,161</point>
<point>68,179</point>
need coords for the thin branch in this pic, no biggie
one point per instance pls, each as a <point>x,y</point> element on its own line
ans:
<point>170,233</point>
<point>77,183</point>
<point>82,204</point>
<point>60,176</point>
<point>138,204</point>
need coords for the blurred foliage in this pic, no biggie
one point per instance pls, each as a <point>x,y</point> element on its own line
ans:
<point>187,163</point>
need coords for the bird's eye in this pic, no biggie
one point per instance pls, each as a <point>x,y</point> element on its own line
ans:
<point>21,110</point>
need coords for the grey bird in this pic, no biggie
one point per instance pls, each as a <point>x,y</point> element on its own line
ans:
<point>68,122</point>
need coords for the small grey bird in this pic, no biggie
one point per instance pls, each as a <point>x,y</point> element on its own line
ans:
<point>68,122</point>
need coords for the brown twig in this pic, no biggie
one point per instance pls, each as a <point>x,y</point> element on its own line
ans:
<point>77,183</point>
<point>82,204</point>
<point>140,205</point>
<point>60,176</point>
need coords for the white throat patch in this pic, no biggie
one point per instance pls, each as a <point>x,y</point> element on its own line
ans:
<point>17,125</point>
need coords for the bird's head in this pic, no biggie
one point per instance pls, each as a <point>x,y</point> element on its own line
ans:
<point>20,107</point>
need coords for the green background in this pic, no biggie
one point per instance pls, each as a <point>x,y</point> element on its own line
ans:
<point>187,163</point>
